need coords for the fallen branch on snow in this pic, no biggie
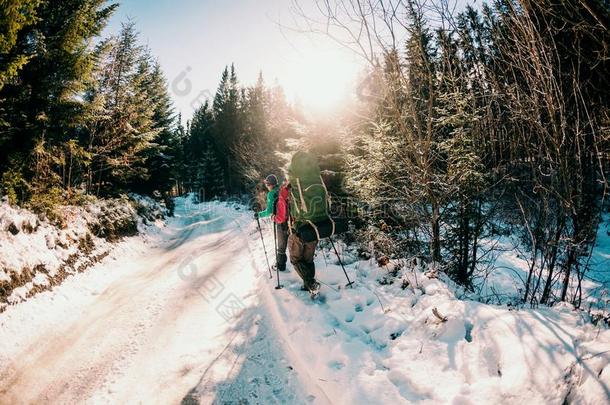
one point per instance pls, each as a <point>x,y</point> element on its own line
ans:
<point>438,315</point>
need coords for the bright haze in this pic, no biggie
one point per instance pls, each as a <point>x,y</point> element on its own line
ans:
<point>195,39</point>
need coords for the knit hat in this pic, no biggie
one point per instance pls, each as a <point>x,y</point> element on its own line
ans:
<point>271,179</point>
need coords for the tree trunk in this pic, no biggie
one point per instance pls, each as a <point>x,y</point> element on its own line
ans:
<point>475,239</point>
<point>464,245</point>
<point>435,242</point>
<point>546,292</point>
<point>567,271</point>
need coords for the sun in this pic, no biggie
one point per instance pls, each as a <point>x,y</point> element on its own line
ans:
<point>321,80</point>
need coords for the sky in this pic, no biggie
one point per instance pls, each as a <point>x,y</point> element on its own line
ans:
<point>194,40</point>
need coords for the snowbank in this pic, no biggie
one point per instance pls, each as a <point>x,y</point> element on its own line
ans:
<point>36,254</point>
<point>408,338</point>
<point>504,281</point>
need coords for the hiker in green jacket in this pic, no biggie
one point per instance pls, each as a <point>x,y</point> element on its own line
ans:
<point>280,225</point>
<point>272,192</point>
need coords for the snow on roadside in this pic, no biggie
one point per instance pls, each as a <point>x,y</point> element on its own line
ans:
<point>36,254</point>
<point>384,344</point>
<point>67,302</point>
<point>505,279</point>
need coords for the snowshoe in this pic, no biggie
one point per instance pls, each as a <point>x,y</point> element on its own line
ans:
<point>314,290</point>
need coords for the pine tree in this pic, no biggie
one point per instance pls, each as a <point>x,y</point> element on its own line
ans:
<point>15,15</point>
<point>279,116</point>
<point>228,126</point>
<point>255,106</point>
<point>460,120</point>
<point>397,165</point>
<point>205,173</point>
<point>182,150</point>
<point>162,156</point>
<point>209,178</point>
<point>124,128</point>
<point>41,104</point>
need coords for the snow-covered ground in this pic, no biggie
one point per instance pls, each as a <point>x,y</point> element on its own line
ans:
<point>187,313</point>
<point>505,280</point>
<point>36,253</point>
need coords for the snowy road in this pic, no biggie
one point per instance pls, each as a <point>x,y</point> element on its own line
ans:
<point>186,313</point>
<point>177,319</point>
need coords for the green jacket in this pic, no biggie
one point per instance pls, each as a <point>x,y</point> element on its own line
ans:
<point>271,197</point>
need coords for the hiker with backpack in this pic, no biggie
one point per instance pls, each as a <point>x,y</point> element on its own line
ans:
<point>278,211</point>
<point>280,219</point>
<point>300,209</point>
<point>308,201</point>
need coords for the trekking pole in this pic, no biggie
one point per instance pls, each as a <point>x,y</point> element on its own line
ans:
<point>323,255</point>
<point>349,283</point>
<point>277,270</point>
<point>264,248</point>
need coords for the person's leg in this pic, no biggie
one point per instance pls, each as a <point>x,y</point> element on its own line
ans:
<point>309,250</point>
<point>282,242</point>
<point>304,269</point>
<point>295,249</point>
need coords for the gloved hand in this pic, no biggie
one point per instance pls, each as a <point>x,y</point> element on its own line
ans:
<point>255,214</point>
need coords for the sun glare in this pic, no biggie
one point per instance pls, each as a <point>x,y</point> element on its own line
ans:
<point>320,80</point>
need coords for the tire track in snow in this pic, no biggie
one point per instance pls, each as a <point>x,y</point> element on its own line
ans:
<point>69,349</point>
<point>141,311</point>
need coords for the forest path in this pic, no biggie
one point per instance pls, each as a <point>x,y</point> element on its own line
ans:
<point>178,321</point>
